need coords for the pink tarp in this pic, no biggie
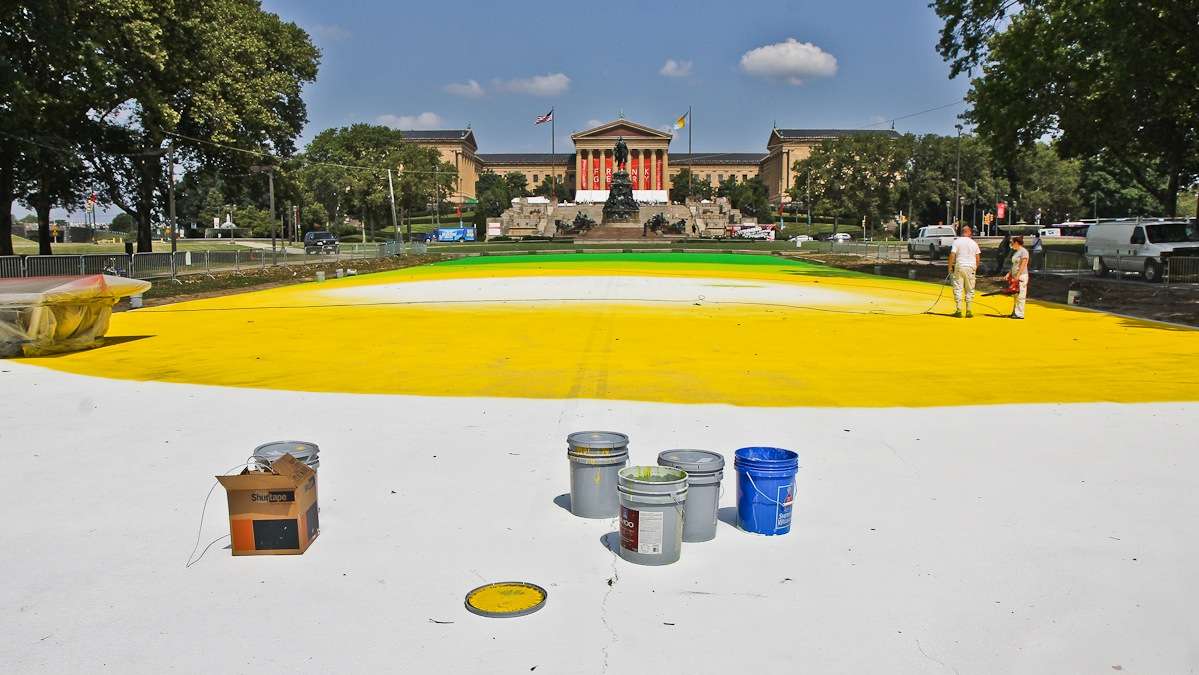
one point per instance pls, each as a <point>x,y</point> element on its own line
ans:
<point>45,315</point>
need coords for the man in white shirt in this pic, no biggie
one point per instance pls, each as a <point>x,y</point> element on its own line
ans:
<point>963,263</point>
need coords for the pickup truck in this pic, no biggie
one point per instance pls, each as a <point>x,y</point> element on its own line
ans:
<point>933,240</point>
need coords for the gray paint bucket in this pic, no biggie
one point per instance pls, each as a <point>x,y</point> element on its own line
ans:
<point>705,469</point>
<point>303,451</point>
<point>595,457</point>
<point>651,514</point>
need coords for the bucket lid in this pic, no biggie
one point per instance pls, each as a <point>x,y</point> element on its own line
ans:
<point>506,599</point>
<point>276,449</point>
<point>597,439</point>
<point>767,457</point>
<point>692,461</point>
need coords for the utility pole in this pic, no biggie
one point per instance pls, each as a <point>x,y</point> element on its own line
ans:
<point>974,218</point>
<point>170,205</point>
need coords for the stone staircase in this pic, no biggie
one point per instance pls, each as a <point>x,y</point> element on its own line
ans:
<point>623,232</point>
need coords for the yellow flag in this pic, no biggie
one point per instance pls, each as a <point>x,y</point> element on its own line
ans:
<point>681,121</point>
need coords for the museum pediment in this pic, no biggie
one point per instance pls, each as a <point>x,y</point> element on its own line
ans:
<point>624,128</point>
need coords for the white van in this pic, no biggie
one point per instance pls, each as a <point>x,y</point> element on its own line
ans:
<point>1049,232</point>
<point>1139,245</point>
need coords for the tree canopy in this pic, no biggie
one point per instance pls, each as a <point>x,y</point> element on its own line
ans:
<point>117,83</point>
<point>686,185</point>
<point>345,171</point>
<point>877,177</point>
<point>1104,78</point>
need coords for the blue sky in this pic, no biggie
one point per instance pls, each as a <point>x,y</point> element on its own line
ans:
<point>742,66</point>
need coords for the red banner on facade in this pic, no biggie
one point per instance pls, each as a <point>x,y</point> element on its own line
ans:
<point>607,171</point>
<point>582,172</point>
<point>595,173</point>
<point>635,161</point>
<point>646,172</point>
<point>660,181</point>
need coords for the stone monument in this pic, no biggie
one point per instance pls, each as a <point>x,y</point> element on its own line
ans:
<point>621,207</point>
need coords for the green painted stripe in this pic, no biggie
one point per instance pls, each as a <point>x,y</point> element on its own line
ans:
<point>652,258</point>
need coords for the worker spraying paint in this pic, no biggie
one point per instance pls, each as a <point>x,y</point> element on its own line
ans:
<point>964,258</point>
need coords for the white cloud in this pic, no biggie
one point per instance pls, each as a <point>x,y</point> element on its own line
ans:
<point>469,89</point>
<point>591,124</point>
<point>425,120</point>
<point>791,61</point>
<point>331,32</point>
<point>674,68</point>
<point>538,85</point>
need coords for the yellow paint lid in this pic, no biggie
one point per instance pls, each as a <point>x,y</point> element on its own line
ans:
<point>506,599</point>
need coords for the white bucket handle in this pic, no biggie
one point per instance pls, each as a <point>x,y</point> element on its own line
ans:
<point>755,486</point>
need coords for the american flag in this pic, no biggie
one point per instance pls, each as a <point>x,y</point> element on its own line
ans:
<point>548,117</point>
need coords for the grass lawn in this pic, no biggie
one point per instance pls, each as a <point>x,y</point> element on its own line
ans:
<point>22,246</point>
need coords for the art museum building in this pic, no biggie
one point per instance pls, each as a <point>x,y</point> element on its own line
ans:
<point>652,165</point>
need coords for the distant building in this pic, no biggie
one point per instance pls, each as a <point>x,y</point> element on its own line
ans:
<point>652,165</point>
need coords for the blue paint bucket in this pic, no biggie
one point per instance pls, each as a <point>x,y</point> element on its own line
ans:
<point>765,489</point>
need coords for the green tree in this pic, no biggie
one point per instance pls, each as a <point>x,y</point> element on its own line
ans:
<point>494,195</point>
<point>122,222</point>
<point>557,188</point>
<point>221,71</point>
<point>345,171</point>
<point>518,185</point>
<point>55,71</point>
<point>748,196</point>
<point>856,176</point>
<point>1103,76</point>
<point>685,184</point>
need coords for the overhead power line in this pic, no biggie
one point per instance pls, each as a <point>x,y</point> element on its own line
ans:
<point>915,114</point>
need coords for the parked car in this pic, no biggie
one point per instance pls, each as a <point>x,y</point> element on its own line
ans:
<point>934,240</point>
<point>840,236</point>
<point>800,237</point>
<point>321,243</point>
<point>1139,246</point>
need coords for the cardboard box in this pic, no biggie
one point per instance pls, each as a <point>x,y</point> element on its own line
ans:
<point>273,513</point>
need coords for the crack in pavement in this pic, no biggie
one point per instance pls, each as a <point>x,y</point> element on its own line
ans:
<point>935,659</point>
<point>612,580</point>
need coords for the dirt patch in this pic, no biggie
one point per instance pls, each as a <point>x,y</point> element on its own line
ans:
<point>1177,303</point>
<point>197,286</point>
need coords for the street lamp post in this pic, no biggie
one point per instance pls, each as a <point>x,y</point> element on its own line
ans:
<point>270,176</point>
<point>957,178</point>
<point>947,212</point>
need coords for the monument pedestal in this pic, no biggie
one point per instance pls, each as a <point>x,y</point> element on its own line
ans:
<point>621,207</point>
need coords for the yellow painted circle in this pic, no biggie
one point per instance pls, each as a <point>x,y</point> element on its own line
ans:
<point>506,598</point>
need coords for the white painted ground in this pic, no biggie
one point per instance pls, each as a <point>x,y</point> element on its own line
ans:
<point>622,289</point>
<point>1018,539</point>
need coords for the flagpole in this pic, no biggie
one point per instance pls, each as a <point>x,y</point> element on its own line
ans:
<point>690,156</point>
<point>553,168</point>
